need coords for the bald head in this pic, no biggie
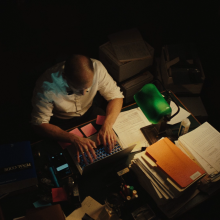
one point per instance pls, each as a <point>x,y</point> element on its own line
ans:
<point>79,69</point>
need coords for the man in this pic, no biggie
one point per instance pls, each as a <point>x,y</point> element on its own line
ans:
<point>64,95</point>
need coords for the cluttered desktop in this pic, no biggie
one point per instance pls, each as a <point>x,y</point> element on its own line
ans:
<point>131,182</point>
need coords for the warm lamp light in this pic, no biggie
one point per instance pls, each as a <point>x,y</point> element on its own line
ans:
<point>156,109</point>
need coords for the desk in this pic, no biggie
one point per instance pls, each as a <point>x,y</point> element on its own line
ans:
<point>97,186</point>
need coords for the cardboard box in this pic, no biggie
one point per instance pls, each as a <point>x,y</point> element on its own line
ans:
<point>131,86</point>
<point>167,78</point>
<point>122,71</point>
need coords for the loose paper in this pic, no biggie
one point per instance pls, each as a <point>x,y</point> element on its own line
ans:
<point>127,127</point>
<point>180,116</point>
<point>205,141</point>
<point>89,206</point>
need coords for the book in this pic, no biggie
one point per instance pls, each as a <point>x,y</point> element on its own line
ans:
<point>17,170</point>
<point>178,166</point>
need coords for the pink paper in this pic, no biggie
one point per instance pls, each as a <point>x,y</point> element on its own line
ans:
<point>59,194</point>
<point>75,131</point>
<point>88,130</point>
<point>100,119</point>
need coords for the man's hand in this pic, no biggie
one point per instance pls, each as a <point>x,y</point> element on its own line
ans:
<point>84,145</point>
<point>107,137</point>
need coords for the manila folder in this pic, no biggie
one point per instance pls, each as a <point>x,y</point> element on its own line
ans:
<point>178,166</point>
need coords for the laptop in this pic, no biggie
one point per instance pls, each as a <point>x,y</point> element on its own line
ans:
<point>119,151</point>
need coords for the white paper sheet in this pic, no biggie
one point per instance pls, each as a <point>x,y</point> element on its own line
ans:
<point>127,127</point>
<point>89,206</point>
<point>205,141</point>
<point>180,116</point>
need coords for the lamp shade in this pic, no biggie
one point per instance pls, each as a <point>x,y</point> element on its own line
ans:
<point>152,103</point>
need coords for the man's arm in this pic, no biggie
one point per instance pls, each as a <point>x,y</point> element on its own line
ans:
<point>56,133</point>
<point>106,133</point>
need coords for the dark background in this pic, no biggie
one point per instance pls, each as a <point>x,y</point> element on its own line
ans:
<point>36,34</point>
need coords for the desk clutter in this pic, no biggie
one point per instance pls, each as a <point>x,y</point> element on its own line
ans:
<point>173,174</point>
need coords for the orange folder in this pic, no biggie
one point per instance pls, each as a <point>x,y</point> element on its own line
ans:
<point>178,166</point>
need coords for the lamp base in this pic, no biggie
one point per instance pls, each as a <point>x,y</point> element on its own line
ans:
<point>150,132</point>
<point>155,132</point>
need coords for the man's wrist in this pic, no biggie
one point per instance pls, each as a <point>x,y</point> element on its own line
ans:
<point>73,138</point>
<point>108,124</point>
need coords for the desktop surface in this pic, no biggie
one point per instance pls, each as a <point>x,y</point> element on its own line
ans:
<point>97,185</point>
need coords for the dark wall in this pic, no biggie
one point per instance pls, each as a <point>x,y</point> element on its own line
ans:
<point>36,34</point>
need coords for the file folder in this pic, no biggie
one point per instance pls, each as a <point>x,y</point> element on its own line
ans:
<point>178,166</point>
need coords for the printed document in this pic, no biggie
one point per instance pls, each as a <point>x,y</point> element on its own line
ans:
<point>128,125</point>
<point>205,141</point>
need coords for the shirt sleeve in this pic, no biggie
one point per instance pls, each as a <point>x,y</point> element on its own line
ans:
<point>42,108</point>
<point>106,85</point>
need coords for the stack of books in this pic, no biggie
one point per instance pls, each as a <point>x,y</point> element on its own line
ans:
<point>173,174</point>
<point>165,171</point>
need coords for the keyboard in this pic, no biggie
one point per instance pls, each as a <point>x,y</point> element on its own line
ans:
<point>100,155</point>
<point>103,158</point>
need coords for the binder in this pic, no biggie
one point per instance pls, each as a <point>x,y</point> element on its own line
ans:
<point>178,166</point>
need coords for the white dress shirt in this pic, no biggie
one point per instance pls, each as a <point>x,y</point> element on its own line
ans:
<point>54,96</point>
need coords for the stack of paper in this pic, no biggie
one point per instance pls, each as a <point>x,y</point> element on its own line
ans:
<point>127,127</point>
<point>203,146</point>
<point>165,171</point>
<point>129,45</point>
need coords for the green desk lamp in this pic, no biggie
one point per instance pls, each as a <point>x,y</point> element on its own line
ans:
<point>156,109</point>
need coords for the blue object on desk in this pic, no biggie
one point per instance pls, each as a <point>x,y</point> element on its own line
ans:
<point>39,203</point>
<point>54,177</point>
